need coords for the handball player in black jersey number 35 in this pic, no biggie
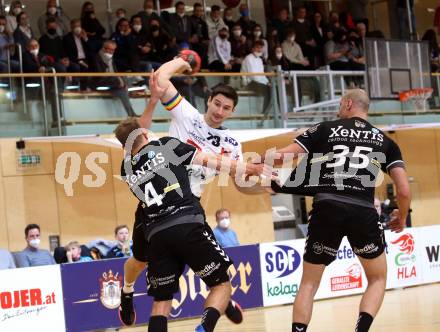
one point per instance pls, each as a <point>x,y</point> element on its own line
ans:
<point>344,159</point>
<point>186,124</point>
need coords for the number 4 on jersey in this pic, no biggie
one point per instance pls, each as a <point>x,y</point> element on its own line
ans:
<point>156,199</point>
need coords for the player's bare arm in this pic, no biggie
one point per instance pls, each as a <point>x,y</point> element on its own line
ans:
<point>403,196</point>
<point>164,74</point>
<point>156,94</point>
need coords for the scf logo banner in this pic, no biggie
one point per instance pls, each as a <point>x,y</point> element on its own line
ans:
<point>281,270</point>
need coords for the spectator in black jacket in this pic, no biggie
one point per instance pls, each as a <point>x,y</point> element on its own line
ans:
<point>319,36</point>
<point>163,45</point>
<point>124,41</point>
<point>200,39</point>
<point>304,37</point>
<point>123,245</point>
<point>76,46</point>
<point>23,34</point>
<point>281,25</point>
<point>228,18</point>
<point>149,14</point>
<point>103,63</point>
<point>247,25</point>
<point>95,31</point>
<point>181,24</point>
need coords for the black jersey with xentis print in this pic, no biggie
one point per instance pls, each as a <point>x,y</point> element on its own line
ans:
<point>157,175</point>
<point>343,157</point>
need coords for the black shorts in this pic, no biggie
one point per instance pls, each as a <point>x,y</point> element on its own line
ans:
<point>140,243</point>
<point>171,249</point>
<point>331,220</point>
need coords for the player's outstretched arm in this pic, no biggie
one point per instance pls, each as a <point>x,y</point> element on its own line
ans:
<point>400,179</point>
<point>156,94</point>
<point>282,154</point>
<point>166,71</point>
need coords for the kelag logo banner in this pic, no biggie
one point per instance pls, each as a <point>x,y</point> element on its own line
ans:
<point>281,270</point>
<point>91,290</point>
<point>31,298</point>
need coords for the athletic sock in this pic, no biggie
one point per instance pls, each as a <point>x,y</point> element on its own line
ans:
<point>364,322</point>
<point>299,327</point>
<point>128,287</point>
<point>209,319</point>
<point>157,324</point>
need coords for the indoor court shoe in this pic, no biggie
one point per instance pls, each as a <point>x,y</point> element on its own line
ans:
<point>127,315</point>
<point>234,312</point>
<point>200,329</point>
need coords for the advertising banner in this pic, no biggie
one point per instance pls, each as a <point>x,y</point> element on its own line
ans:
<point>281,270</point>
<point>92,290</point>
<point>31,299</point>
<point>344,276</point>
<point>430,247</point>
<point>404,258</point>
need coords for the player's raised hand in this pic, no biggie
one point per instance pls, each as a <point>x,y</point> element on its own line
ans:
<point>157,92</point>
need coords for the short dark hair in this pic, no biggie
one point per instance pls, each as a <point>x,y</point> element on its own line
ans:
<point>258,43</point>
<point>215,8</point>
<point>225,90</point>
<point>118,228</point>
<point>178,3</point>
<point>124,129</point>
<point>197,4</point>
<point>29,227</point>
<point>50,20</point>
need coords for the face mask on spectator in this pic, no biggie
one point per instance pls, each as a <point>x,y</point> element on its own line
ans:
<point>119,16</point>
<point>149,11</point>
<point>77,31</point>
<point>2,28</point>
<point>279,55</point>
<point>237,33</point>
<point>108,56</point>
<point>229,17</point>
<point>52,10</point>
<point>34,243</point>
<point>16,11</point>
<point>224,223</point>
<point>258,54</point>
<point>52,31</point>
<point>257,33</point>
<point>301,20</point>
<point>137,27</point>
<point>292,39</point>
<point>35,51</point>
<point>154,28</point>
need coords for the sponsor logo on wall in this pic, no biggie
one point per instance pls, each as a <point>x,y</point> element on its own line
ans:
<point>351,280</point>
<point>433,255</point>
<point>405,260</point>
<point>110,286</point>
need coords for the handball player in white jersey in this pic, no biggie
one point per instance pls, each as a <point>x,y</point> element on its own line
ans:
<point>207,134</point>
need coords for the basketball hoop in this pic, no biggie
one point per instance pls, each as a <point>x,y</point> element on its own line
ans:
<point>417,97</point>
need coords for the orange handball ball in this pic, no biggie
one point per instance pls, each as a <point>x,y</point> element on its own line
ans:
<point>192,58</point>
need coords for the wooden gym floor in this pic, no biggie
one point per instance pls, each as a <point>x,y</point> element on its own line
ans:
<point>404,310</point>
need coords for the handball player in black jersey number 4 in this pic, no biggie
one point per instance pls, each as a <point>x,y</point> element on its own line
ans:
<point>185,118</point>
<point>352,153</point>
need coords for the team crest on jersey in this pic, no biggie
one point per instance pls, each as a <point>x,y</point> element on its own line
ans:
<point>359,124</point>
<point>151,154</point>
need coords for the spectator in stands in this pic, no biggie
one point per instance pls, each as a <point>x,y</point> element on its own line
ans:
<point>333,22</point>
<point>304,36</point>
<point>93,28</point>
<point>33,255</point>
<point>120,13</point>
<point>253,63</point>
<point>103,63</point>
<point>142,52</point>
<point>318,34</point>
<point>200,38</point>
<point>34,61</point>
<point>51,44</point>
<point>219,52</point>
<point>52,11</point>
<point>257,34</point>
<point>224,235</point>
<point>228,18</point>
<point>76,47</point>
<point>338,53</point>
<point>181,24</point>
<point>7,43</point>
<point>277,58</point>
<point>6,259</point>
<point>247,25</point>
<point>292,51</point>
<point>239,45</point>
<point>357,9</point>
<point>356,55</point>
<point>23,33</point>
<point>73,253</point>
<point>163,44</point>
<point>361,30</point>
<point>123,246</point>
<point>272,38</point>
<point>124,41</point>
<point>281,24</point>
<point>149,14</point>
<point>15,8</point>
<point>434,51</point>
<point>214,22</point>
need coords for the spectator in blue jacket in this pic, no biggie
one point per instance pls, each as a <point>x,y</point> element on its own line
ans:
<point>123,245</point>
<point>225,236</point>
